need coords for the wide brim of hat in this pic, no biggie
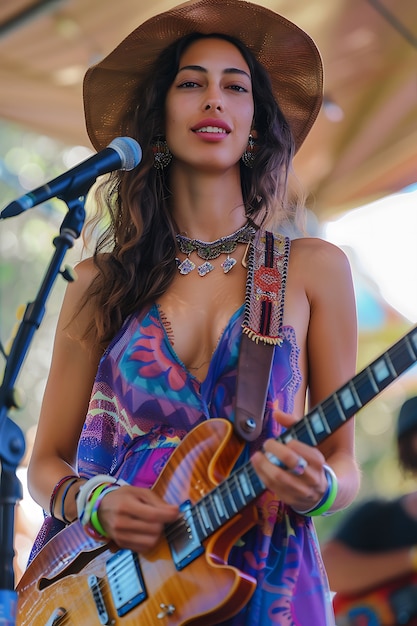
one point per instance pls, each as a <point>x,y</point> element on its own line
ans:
<point>287,52</point>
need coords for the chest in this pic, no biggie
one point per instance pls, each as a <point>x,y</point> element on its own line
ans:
<point>195,311</point>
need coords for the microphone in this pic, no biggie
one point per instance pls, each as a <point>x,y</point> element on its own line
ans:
<point>123,153</point>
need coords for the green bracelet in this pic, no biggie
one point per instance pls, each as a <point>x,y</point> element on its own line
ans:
<point>322,507</point>
<point>94,520</point>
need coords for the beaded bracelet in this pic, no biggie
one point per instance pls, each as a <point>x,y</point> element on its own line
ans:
<point>55,490</point>
<point>326,502</point>
<point>64,495</point>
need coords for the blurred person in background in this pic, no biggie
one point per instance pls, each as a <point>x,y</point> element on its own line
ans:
<point>371,559</point>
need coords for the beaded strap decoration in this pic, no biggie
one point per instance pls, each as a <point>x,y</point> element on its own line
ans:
<point>208,251</point>
<point>265,287</point>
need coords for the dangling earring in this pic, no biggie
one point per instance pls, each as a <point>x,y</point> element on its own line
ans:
<point>161,154</point>
<point>248,157</point>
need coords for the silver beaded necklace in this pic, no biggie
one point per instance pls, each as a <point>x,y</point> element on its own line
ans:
<point>208,251</point>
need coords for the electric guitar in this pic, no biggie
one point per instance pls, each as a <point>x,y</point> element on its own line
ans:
<point>75,581</point>
<point>388,605</point>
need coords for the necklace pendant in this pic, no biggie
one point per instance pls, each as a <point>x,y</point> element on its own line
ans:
<point>228,264</point>
<point>205,268</point>
<point>186,267</point>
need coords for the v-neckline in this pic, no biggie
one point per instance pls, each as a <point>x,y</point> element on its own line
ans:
<point>231,320</point>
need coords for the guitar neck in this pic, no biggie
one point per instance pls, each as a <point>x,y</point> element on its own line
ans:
<point>326,417</point>
<point>243,486</point>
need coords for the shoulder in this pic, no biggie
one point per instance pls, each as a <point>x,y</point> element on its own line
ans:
<point>318,251</point>
<point>86,271</point>
<point>320,265</point>
<point>76,302</point>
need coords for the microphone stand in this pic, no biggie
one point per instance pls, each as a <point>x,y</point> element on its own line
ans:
<point>12,442</point>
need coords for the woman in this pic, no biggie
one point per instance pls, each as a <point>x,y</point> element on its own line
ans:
<point>220,96</point>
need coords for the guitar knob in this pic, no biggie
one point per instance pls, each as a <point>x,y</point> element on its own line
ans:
<point>167,610</point>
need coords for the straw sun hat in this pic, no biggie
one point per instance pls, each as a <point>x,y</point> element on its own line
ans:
<point>286,51</point>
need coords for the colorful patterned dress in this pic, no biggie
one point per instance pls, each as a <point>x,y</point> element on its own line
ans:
<point>145,401</point>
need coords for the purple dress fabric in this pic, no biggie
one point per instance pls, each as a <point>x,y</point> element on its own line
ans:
<point>143,403</point>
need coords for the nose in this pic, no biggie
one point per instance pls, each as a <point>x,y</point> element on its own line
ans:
<point>213,99</point>
<point>213,104</point>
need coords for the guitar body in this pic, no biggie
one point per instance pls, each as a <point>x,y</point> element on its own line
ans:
<point>390,605</point>
<point>78,582</point>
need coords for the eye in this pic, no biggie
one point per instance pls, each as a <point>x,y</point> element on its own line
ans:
<point>238,88</point>
<point>188,84</point>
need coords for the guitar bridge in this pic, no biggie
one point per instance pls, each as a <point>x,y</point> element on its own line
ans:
<point>94,584</point>
<point>184,541</point>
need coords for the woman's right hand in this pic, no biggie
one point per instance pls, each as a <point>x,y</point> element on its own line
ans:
<point>134,517</point>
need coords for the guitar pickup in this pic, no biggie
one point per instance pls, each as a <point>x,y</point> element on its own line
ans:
<point>185,544</point>
<point>126,581</point>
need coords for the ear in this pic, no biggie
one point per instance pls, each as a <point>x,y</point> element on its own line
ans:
<point>254,133</point>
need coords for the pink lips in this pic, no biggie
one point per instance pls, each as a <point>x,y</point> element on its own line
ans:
<point>212,129</point>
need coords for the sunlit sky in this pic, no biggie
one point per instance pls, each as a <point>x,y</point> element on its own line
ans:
<point>383,236</point>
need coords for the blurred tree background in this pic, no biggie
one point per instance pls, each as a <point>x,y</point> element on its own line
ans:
<point>27,161</point>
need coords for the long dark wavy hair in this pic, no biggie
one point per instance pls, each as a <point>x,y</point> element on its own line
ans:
<point>138,242</point>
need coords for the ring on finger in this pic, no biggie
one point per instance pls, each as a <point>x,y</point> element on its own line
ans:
<point>299,468</point>
<point>274,460</point>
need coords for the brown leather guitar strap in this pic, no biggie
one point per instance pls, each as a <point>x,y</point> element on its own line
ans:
<point>261,329</point>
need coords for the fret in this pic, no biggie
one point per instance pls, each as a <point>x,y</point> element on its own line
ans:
<point>366,385</point>
<point>238,492</point>
<point>206,522</point>
<point>228,499</point>
<point>219,506</point>
<point>318,423</point>
<point>347,401</point>
<point>257,484</point>
<point>335,416</point>
<point>245,484</point>
<point>381,372</point>
<point>305,432</point>
<point>212,511</point>
<point>402,356</point>
<point>198,522</point>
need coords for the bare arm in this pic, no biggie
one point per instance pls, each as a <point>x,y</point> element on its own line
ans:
<point>133,517</point>
<point>353,571</point>
<point>66,397</point>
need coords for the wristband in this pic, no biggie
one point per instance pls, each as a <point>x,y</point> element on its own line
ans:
<point>55,490</point>
<point>326,502</point>
<point>85,517</point>
<point>88,487</point>
<point>64,495</point>
<point>94,520</point>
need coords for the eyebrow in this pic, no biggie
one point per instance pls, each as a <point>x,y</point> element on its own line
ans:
<point>227,70</point>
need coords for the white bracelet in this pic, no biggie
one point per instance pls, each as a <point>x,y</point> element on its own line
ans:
<point>86,489</point>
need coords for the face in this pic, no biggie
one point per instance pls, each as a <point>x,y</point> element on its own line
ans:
<point>209,107</point>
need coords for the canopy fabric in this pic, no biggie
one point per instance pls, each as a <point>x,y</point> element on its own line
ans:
<point>364,142</point>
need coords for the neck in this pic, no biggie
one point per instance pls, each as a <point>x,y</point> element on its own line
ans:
<point>207,207</point>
